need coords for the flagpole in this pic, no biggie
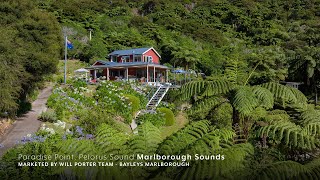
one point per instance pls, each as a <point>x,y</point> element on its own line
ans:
<point>65,60</point>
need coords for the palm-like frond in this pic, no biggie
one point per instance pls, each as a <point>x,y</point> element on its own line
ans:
<point>264,96</point>
<point>288,133</point>
<point>279,170</point>
<point>277,115</point>
<point>301,98</point>
<point>147,140</point>
<point>206,104</point>
<point>231,159</point>
<point>110,141</point>
<point>281,93</point>
<point>286,170</point>
<point>310,120</point>
<point>244,100</point>
<point>205,88</point>
<point>183,138</point>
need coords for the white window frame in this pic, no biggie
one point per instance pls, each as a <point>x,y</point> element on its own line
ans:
<point>150,59</point>
<point>137,59</point>
<point>125,59</point>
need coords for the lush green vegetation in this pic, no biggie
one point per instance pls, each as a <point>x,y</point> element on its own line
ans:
<point>30,49</point>
<point>168,116</point>
<point>265,130</point>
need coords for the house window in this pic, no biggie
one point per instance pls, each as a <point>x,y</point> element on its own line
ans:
<point>125,59</point>
<point>137,59</point>
<point>113,58</point>
<point>150,59</point>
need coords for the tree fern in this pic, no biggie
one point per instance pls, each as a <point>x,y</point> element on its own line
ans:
<point>286,170</point>
<point>147,140</point>
<point>183,138</point>
<point>301,98</point>
<point>109,140</point>
<point>234,72</point>
<point>281,93</point>
<point>204,105</point>
<point>279,170</point>
<point>264,96</point>
<point>310,120</point>
<point>205,88</point>
<point>233,160</point>
<point>288,133</point>
<point>277,115</point>
<point>244,100</point>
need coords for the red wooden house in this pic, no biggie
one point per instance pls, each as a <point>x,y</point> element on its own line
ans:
<point>141,64</point>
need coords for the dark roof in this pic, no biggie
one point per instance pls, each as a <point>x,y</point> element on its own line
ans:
<point>138,51</point>
<point>106,62</point>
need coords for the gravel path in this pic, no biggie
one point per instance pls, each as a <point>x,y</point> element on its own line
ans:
<point>28,123</point>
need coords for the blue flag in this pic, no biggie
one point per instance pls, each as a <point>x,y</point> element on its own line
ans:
<point>69,44</point>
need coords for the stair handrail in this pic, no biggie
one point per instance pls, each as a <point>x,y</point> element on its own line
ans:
<point>162,96</point>
<point>153,95</point>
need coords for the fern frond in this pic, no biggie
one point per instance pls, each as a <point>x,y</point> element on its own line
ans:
<point>177,142</point>
<point>310,115</point>
<point>310,121</point>
<point>264,96</point>
<point>205,88</point>
<point>244,100</point>
<point>279,170</point>
<point>206,104</point>
<point>288,133</point>
<point>231,159</point>
<point>281,93</point>
<point>109,140</point>
<point>73,146</point>
<point>147,140</point>
<point>277,115</point>
<point>301,98</point>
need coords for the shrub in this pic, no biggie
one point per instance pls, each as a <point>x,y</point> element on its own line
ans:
<point>134,103</point>
<point>77,83</point>
<point>24,107</point>
<point>91,119</point>
<point>156,119</point>
<point>168,115</point>
<point>48,116</point>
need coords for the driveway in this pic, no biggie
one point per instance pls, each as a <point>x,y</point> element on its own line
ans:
<point>28,123</point>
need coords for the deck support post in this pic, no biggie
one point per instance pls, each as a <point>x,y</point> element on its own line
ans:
<point>154,73</point>
<point>167,76</point>
<point>147,73</point>
<point>127,74</point>
<point>108,74</point>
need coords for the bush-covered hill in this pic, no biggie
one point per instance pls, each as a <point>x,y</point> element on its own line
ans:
<point>29,50</point>
<point>277,39</point>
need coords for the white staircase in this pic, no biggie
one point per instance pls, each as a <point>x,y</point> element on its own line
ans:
<point>151,106</point>
<point>157,97</point>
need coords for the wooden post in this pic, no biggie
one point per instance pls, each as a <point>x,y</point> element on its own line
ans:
<point>95,74</point>
<point>167,76</point>
<point>108,74</point>
<point>154,73</point>
<point>127,74</point>
<point>147,73</point>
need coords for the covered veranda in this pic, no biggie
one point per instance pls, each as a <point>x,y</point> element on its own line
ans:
<point>143,72</point>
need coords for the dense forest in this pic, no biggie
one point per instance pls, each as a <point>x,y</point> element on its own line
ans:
<point>246,49</point>
<point>278,39</point>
